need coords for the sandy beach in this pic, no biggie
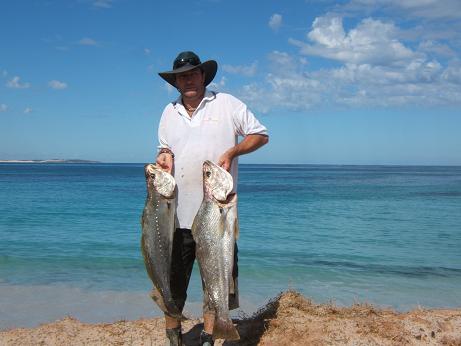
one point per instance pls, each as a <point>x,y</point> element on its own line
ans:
<point>288,319</point>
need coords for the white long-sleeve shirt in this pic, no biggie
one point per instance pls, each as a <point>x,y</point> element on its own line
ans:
<point>214,128</point>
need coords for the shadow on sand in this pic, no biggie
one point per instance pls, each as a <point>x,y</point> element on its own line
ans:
<point>251,329</point>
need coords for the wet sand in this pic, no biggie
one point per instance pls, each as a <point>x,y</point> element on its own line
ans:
<point>288,319</point>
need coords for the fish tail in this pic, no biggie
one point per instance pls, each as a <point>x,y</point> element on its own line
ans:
<point>224,329</point>
<point>167,306</point>
<point>177,315</point>
<point>173,311</point>
<point>158,299</point>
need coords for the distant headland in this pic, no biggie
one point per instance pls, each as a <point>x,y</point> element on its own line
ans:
<point>50,161</point>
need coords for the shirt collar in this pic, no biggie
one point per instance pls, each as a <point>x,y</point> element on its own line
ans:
<point>209,95</point>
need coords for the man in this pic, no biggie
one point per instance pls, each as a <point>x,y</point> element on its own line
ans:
<point>200,125</point>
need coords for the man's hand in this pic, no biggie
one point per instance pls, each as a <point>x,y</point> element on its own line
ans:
<point>165,161</point>
<point>225,161</point>
<point>247,145</point>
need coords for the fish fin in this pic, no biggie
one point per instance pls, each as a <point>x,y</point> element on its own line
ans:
<point>236,229</point>
<point>233,294</point>
<point>231,286</point>
<point>158,299</point>
<point>224,329</point>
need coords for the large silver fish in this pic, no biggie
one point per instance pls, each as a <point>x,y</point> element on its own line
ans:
<point>215,229</point>
<point>158,226</point>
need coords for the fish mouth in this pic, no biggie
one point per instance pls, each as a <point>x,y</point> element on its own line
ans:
<point>218,182</point>
<point>149,169</point>
<point>229,202</point>
<point>162,181</point>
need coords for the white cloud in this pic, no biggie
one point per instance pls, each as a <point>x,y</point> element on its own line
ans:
<point>371,41</point>
<point>431,9</point>
<point>242,70</point>
<point>220,85</point>
<point>452,74</point>
<point>291,86</point>
<point>287,86</point>
<point>103,3</point>
<point>285,65</point>
<point>55,84</point>
<point>27,110</point>
<point>417,83</point>
<point>86,41</point>
<point>275,22</point>
<point>15,83</point>
<point>371,62</point>
<point>3,107</point>
<point>433,23</point>
<point>431,46</point>
<point>418,71</point>
<point>147,51</point>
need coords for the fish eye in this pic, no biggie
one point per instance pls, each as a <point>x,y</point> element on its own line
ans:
<point>208,174</point>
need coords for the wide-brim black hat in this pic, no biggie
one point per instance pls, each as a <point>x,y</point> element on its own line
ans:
<point>186,61</point>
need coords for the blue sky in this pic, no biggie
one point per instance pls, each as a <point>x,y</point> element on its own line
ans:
<point>335,82</point>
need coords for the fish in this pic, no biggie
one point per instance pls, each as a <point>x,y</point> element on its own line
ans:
<point>158,226</point>
<point>215,229</point>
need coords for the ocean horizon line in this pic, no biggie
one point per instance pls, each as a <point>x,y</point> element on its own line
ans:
<point>96,162</point>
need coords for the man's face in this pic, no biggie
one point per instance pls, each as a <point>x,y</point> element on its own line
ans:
<point>191,83</point>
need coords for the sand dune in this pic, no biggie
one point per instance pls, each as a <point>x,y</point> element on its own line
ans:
<point>289,319</point>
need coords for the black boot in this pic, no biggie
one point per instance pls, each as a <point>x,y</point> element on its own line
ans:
<point>174,337</point>
<point>206,339</point>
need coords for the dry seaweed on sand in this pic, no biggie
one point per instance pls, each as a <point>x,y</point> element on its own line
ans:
<point>292,319</point>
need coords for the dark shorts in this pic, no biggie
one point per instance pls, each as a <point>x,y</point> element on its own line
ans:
<point>181,269</point>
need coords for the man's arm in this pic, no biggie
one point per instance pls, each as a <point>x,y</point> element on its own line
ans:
<point>247,145</point>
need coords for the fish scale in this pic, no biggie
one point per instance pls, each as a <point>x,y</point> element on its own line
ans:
<point>214,230</point>
<point>158,226</point>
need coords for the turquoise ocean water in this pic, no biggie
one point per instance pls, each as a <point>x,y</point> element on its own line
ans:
<point>387,235</point>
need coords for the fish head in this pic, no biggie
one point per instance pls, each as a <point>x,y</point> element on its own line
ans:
<point>217,182</point>
<point>163,182</point>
